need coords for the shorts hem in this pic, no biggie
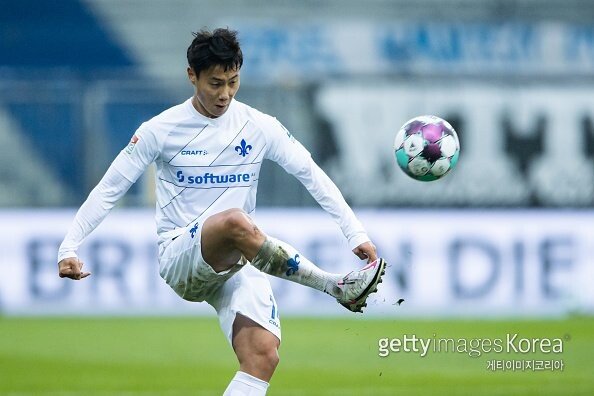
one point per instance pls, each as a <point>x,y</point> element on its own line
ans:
<point>271,327</point>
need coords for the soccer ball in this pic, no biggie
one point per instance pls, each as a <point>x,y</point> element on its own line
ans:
<point>426,148</point>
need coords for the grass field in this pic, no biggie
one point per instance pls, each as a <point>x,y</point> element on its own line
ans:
<point>189,356</point>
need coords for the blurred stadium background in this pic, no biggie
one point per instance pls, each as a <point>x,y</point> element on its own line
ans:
<point>503,245</point>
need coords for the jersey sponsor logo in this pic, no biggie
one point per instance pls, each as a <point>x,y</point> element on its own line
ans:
<point>131,145</point>
<point>293,264</point>
<point>243,149</point>
<point>194,152</point>
<point>209,178</point>
<point>274,314</point>
<point>274,323</point>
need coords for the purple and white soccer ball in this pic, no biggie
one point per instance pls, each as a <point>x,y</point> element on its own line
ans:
<point>426,148</point>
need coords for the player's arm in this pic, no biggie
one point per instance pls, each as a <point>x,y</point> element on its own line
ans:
<point>101,200</point>
<point>327,194</point>
<point>123,172</point>
<point>296,160</point>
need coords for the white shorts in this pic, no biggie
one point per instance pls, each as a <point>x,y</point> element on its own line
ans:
<point>242,289</point>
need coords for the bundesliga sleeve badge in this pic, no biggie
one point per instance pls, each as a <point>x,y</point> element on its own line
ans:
<point>131,145</point>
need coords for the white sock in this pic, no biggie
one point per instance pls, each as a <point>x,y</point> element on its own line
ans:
<point>280,259</point>
<point>244,384</point>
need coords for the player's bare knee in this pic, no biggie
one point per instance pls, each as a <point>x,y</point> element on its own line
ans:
<point>258,361</point>
<point>273,358</point>
<point>266,359</point>
<point>240,226</point>
<point>258,353</point>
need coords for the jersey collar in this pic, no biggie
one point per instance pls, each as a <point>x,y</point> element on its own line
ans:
<point>206,119</point>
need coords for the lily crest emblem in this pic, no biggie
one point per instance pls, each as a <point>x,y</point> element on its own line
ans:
<point>243,149</point>
<point>193,230</point>
<point>293,265</point>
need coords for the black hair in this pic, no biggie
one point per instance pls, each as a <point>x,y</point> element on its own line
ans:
<point>219,47</point>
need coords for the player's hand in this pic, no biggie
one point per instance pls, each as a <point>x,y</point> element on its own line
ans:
<point>367,251</point>
<point>72,268</point>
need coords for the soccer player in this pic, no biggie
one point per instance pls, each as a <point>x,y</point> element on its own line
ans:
<point>208,151</point>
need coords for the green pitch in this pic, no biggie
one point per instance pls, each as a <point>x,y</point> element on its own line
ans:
<point>189,356</point>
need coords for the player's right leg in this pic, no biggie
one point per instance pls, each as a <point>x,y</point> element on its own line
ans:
<point>230,234</point>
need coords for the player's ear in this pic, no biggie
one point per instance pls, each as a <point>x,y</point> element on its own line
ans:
<point>191,75</point>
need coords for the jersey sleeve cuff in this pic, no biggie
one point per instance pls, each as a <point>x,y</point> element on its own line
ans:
<point>65,255</point>
<point>357,240</point>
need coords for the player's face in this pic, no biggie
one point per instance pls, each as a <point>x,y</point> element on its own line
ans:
<point>213,90</point>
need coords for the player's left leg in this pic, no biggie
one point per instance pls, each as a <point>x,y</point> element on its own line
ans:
<point>257,352</point>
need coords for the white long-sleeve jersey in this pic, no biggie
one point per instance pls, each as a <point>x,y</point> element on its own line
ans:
<point>204,166</point>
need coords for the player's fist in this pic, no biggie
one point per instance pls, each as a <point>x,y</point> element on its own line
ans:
<point>366,251</point>
<point>72,268</point>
